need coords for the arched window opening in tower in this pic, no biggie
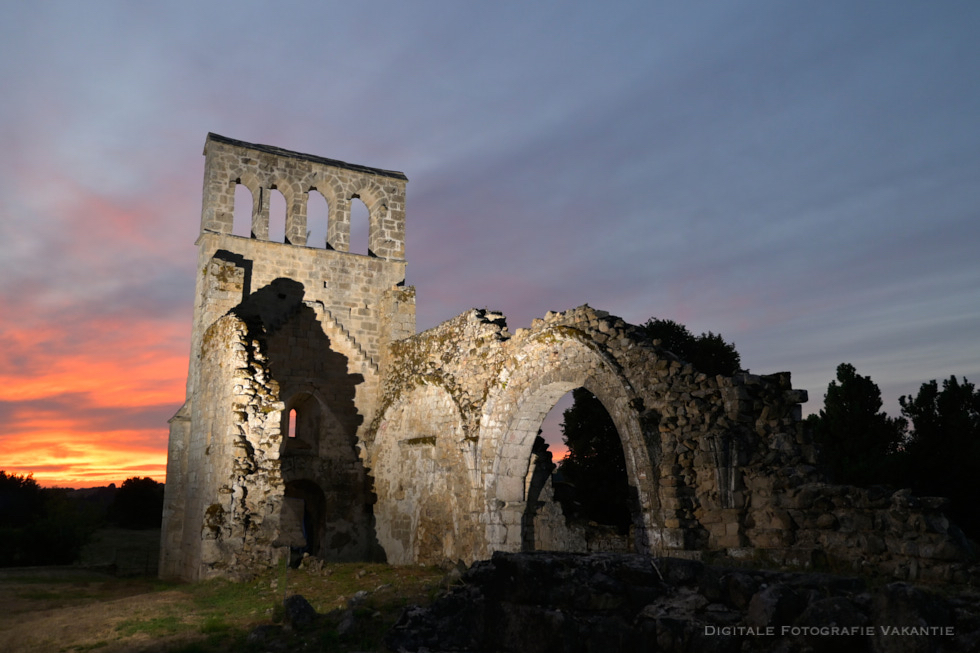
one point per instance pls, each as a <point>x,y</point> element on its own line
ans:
<point>277,216</point>
<point>317,211</point>
<point>242,220</point>
<point>359,227</point>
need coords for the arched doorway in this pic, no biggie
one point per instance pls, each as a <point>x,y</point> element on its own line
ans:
<point>582,501</point>
<point>303,519</point>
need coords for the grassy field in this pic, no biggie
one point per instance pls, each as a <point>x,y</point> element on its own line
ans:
<point>123,552</point>
<point>69,610</point>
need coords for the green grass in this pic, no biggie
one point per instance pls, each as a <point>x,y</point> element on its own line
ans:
<point>214,624</point>
<point>153,626</point>
<point>81,648</point>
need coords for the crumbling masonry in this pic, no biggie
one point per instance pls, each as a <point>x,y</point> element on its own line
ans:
<point>318,421</point>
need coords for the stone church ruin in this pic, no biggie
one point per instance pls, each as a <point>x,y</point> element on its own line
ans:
<point>318,421</point>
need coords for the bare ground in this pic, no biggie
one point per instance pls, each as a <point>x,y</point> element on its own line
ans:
<point>56,609</point>
<point>64,609</point>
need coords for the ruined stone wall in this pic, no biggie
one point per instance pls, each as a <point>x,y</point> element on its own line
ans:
<point>318,422</point>
<point>232,451</point>
<point>504,385</point>
<point>716,463</point>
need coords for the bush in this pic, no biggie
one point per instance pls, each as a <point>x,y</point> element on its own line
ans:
<point>138,504</point>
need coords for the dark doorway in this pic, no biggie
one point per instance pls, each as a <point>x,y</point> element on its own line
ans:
<point>305,508</point>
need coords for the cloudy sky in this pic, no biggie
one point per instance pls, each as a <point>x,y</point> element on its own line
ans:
<point>802,177</point>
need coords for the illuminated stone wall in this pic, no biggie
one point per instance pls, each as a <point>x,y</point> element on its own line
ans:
<point>318,422</point>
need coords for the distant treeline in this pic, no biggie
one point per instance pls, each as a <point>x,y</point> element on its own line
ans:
<point>933,448</point>
<point>49,526</point>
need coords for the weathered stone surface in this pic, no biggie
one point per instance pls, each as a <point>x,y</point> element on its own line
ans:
<point>776,605</point>
<point>531,602</point>
<point>318,422</point>
<point>298,614</point>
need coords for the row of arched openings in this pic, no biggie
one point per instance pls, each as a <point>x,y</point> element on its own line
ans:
<point>317,210</point>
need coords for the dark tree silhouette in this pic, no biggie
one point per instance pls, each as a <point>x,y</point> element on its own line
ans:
<point>595,466</point>
<point>40,526</point>
<point>138,504</point>
<point>21,500</point>
<point>944,447</point>
<point>855,437</point>
<point>708,352</point>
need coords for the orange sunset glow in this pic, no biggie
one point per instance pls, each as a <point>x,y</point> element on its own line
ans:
<point>83,414</point>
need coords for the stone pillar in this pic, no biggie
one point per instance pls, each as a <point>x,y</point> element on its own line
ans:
<point>260,214</point>
<point>218,205</point>
<point>296,219</point>
<point>338,225</point>
<point>387,229</point>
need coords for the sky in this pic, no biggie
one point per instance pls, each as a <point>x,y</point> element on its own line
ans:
<point>800,177</point>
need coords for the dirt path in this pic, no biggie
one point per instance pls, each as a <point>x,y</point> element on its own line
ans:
<point>57,610</point>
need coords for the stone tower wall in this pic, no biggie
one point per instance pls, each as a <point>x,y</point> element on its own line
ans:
<point>291,304</point>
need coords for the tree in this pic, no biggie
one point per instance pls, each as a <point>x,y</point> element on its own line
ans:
<point>20,500</point>
<point>853,434</point>
<point>138,504</point>
<point>39,526</point>
<point>595,465</point>
<point>944,447</point>
<point>708,352</point>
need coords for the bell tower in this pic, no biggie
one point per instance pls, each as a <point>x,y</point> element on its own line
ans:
<point>288,342</point>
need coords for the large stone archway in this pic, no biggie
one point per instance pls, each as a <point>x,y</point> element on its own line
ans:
<point>542,370</point>
<point>498,387</point>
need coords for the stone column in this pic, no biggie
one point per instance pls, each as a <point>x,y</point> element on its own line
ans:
<point>296,220</point>
<point>338,225</point>
<point>260,214</point>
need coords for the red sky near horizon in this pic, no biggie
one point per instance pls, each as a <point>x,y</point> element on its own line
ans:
<point>95,353</point>
<point>83,414</point>
<point>97,414</point>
